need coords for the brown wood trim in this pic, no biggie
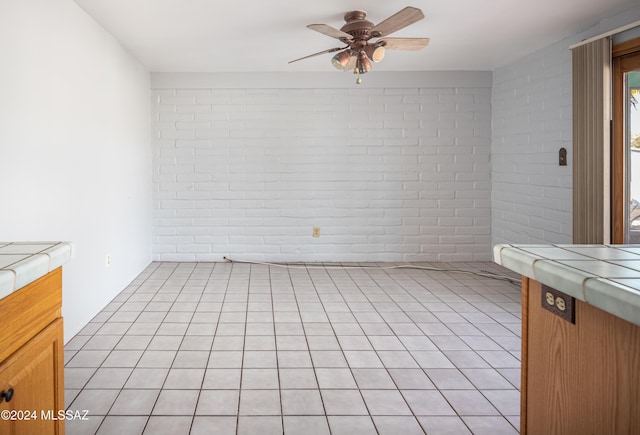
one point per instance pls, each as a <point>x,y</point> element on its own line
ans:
<point>618,187</point>
<point>627,47</point>
<point>524,355</point>
<point>59,373</point>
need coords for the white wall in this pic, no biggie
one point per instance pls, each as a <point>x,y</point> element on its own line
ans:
<point>531,196</point>
<point>396,169</point>
<point>75,160</point>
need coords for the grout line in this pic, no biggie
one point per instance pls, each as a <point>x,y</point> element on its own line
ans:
<point>311,292</point>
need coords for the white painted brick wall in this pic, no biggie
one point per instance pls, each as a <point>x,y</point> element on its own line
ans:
<point>531,196</point>
<point>531,120</point>
<point>387,174</point>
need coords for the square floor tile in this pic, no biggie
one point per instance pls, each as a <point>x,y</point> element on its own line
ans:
<point>77,377</point>
<point>160,425</point>
<point>427,402</point>
<point>449,379</point>
<point>146,378</point>
<point>444,425</point>
<point>100,342</point>
<point>291,342</point>
<point>328,358</point>
<point>417,342</point>
<point>362,359</point>
<point>122,358</point>
<point>184,379</point>
<point>488,379</point>
<point>469,402</point>
<point>383,342</point>
<point>134,342</point>
<point>307,425</point>
<point>260,379</point>
<point>109,378</point>
<point>385,402</point>
<point>343,402</point>
<point>156,359</point>
<point>323,342</point>
<point>376,379</point>
<point>428,359</point>
<point>294,358</point>
<point>335,378</point>
<point>411,379</point>
<point>228,342</point>
<point>213,426</point>
<point>301,402</point>
<point>223,379</point>
<point>397,359</point>
<point>259,359</point>
<point>351,425</point>
<point>225,359</point>
<point>260,342</point>
<point>134,402</point>
<point>291,378</point>
<point>393,425</point>
<point>251,425</point>
<point>218,402</point>
<point>260,402</point>
<point>354,342</point>
<point>97,402</point>
<point>88,358</point>
<point>111,425</point>
<point>505,401</point>
<point>176,402</point>
<point>489,425</point>
<point>191,359</point>
<point>164,342</point>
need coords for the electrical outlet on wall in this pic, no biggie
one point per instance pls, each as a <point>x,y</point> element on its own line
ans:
<point>316,232</point>
<point>107,260</point>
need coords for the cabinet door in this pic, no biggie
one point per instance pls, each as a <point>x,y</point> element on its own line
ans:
<point>35,373</point>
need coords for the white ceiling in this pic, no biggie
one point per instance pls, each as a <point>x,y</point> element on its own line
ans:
<point>260,35</point>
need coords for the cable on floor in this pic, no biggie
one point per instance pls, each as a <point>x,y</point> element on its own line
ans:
<point>483,273</point>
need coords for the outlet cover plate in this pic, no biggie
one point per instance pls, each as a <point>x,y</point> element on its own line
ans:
<point>560,304</point>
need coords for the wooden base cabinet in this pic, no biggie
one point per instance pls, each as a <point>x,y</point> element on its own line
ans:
<point>31,375</point>
<point>581,378</point>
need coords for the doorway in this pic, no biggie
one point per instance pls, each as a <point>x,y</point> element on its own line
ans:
<point>626,144</point>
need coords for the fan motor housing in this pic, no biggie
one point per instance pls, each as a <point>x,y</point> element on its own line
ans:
<point>357,26</point>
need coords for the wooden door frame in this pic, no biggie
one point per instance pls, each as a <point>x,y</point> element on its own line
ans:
<point>626,57</point>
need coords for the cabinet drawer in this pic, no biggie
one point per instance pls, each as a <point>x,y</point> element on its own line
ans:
<point>28,311</point>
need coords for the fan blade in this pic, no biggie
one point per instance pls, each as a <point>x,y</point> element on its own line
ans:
<point>326,29</point>
<point>399,20</point>
<point>331,50</point>
<point>404,43</point>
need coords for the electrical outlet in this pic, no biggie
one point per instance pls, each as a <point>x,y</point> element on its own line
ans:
<point>108,260</point>
<point>558,303</point>
<point>316,232</point>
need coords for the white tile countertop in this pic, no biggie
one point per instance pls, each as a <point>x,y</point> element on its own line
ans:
<point>24,262</point>
<point>605,276</point>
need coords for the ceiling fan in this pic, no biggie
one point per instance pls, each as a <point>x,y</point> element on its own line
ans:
<point>357,34</point>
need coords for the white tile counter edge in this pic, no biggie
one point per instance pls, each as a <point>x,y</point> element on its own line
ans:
<point>24,272</point>
<point>610,296</point>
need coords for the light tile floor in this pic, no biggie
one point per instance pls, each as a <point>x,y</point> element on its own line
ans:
<point>220,348</point>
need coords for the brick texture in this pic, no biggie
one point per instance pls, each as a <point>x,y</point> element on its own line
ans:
<point>531,121</point>
<point>387,174</point>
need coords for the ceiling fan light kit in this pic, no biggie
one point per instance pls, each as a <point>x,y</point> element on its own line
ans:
<point>357,33</point>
